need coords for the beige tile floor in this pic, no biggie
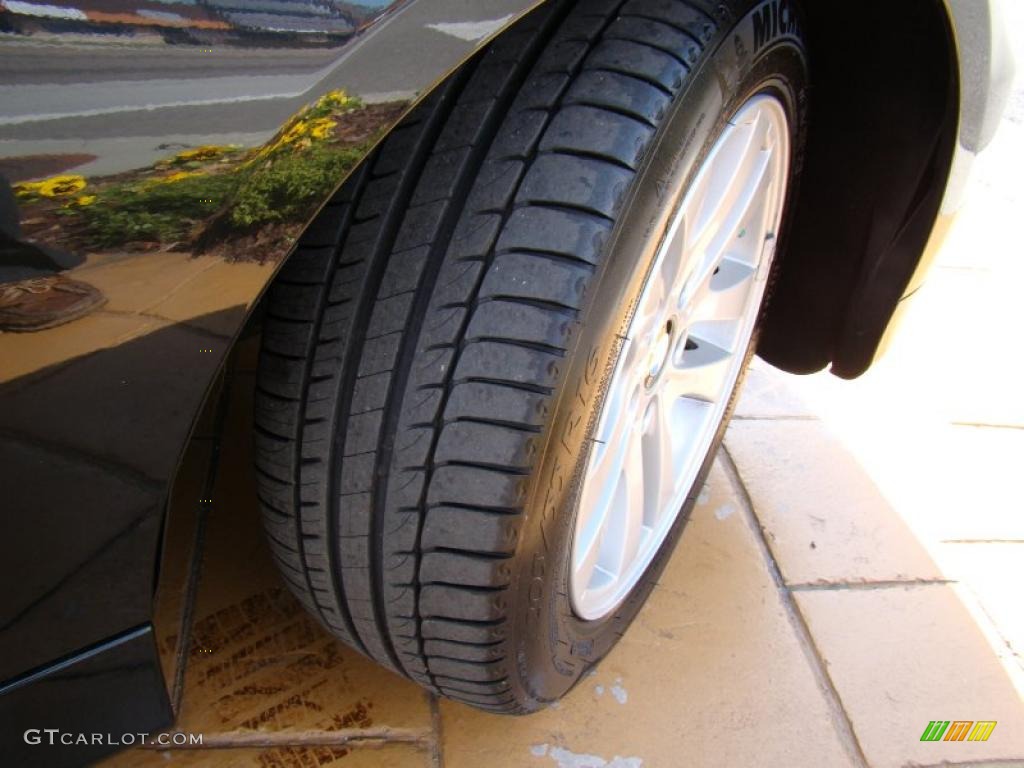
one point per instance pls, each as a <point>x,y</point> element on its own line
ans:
<point>853,571</point>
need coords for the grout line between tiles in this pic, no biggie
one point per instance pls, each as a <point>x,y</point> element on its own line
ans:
<point>356,737</point>
<point>986,425</point>
<point>794,417</point>
<point>982,541</point>
<point>840,718</point>
<point>837,586</point>
<point>437,748</point>
<point>996,763</point>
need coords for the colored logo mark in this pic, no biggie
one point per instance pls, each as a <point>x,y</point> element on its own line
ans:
<point>958,730</point>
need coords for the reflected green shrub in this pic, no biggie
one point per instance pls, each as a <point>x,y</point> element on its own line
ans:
<point>212,193</point>
<point>284,188</point>
<point>158,210</point>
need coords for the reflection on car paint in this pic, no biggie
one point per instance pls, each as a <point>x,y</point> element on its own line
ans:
<point>212,197</point>
<point>296,23</point>
<point>165,156</point>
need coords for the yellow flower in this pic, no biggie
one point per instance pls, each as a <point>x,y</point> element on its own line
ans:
<point>322,128</point>
<point>55,186</point>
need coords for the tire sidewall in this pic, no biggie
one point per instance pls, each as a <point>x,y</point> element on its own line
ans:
<point>552,648</point>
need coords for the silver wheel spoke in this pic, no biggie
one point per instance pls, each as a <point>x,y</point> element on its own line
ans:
<point>702,369</point>
<point>727,293</point>
<point>660,463</point>
<point>725,183</point>
<point>731,224</point>
<point>586,554</point>
<point>684,349</point>
<point>632,523</point>
<point>601,491</point>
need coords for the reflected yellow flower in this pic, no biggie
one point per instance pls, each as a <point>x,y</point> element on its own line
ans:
<point>295,132</point>
<point>55,186</point>
<point>313,122</point>
<point>203,154</point>
<point>322,128</point>
<point>178,177</point>
<point>206,152</point>
<point>81,201</point>
<point>336,99</point>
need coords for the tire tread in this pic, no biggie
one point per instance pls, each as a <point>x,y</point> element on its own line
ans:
<point>414,342</point>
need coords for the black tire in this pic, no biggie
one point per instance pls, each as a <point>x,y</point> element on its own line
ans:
<point>435,349</point>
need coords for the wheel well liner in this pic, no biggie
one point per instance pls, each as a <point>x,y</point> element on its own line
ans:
<point>884,116</point>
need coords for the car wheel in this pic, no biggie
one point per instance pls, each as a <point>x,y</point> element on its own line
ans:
<point>498,365</point>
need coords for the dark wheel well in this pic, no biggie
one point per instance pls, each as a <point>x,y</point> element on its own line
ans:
<point>884,115</point>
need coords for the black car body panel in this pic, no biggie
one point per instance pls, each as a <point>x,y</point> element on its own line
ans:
<point>171,154</point>
<point>97,701</point>
<point>213,125</point>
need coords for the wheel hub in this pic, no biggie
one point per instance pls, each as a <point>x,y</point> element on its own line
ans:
<point>681,358</point>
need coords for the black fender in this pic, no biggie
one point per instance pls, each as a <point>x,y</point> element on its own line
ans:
<point>170,160</point>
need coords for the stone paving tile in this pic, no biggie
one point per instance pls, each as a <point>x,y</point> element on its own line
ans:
<point>954,482</point>
<point>823,517</point>
<point>947,482</point>
<point>993,573</point>
<point>984,383</point>
<point>965,355</point>
<point>902,656</point>
<point>258,664</point>
<point>768,393</point>
<point>712,673</point>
